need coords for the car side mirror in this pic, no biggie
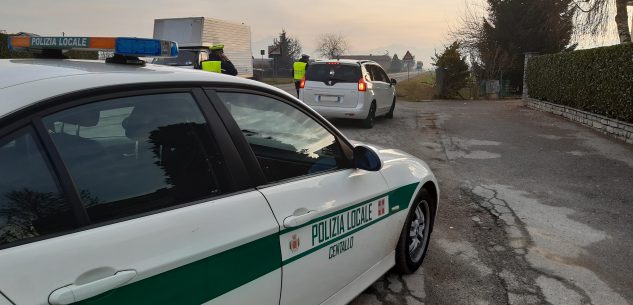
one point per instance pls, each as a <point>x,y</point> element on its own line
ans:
<point>393,81</point>
<point>367,158</point>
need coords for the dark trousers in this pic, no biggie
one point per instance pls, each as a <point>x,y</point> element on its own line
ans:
<point>297,83</point>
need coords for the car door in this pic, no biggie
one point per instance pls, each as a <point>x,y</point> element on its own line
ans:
<point>390,90</point>
<point>330,212</point>
<point>132,198</point>
<point>380,87</point>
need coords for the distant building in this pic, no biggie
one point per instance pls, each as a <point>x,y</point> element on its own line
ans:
<point>3,31</point>
<point>383,60</point>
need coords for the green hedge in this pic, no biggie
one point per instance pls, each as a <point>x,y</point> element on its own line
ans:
<point>597,80</point>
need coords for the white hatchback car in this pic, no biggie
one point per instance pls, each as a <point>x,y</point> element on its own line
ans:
<point>128,184</point>
<point>350,89</point>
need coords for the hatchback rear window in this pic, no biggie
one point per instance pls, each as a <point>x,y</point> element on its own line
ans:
<point>340,73</point>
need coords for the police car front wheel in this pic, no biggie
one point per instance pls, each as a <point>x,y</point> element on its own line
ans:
<point>414,238</point>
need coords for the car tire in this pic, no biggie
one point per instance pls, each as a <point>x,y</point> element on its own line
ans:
<point>389,114</point>
<point>368,122</point>
<point>409,253</point>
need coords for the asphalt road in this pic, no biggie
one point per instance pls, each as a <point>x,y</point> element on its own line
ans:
<point>534,209</point>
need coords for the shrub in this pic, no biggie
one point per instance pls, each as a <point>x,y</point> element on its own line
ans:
<point>597,80</point>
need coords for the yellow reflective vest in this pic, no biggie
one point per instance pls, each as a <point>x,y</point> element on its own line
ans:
<point>300,69</point>
<point>212,66</point>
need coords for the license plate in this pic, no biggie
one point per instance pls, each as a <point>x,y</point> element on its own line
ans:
<point>329,98</point>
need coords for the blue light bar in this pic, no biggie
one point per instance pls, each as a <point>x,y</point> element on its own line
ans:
<point>145,47</point>
<point>125,46</point>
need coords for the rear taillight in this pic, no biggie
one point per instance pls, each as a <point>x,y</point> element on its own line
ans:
<point>302,83</point>
<point>362,85</point>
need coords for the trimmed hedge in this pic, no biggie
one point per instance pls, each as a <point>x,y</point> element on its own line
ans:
<point>596,80</point>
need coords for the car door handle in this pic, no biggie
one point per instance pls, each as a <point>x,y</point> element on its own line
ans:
<point>300,217</point>
<point>75,293</point>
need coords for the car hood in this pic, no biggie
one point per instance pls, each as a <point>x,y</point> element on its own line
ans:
<point>400,168</point>
<point>388,154</point>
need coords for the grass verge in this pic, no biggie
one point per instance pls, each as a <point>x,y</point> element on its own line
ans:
<point>418,88</point>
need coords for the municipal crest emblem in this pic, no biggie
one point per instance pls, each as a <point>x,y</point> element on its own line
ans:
<point>295,243</point>
<point>381,207</point>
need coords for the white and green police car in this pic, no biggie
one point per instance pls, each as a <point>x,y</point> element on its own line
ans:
<point>140,184</point>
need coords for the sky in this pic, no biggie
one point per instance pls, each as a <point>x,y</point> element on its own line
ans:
<point>370,26</point>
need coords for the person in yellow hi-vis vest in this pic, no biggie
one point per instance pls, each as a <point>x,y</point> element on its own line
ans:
<point>299,70</point>
<point>218,62</point>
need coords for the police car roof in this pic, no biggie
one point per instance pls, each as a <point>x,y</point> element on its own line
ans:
<point>26,81</point>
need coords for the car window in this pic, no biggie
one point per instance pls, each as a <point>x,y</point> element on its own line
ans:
<point>370,72</point>
<point>383,74</point>
<point>377,74</point>
<point>137,154</point>
<point>286,141</point>
<point>340,73</point>
<point>109,124</point>
<point>31,203</point>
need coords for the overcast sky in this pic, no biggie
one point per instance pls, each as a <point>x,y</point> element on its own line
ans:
<point>371,26</point>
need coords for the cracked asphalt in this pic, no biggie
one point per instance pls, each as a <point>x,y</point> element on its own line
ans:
<point>534,209</point>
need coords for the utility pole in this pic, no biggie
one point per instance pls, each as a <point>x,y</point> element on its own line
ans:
<point>262,52</point>
<point>407,59</point>
<point>501,85</point>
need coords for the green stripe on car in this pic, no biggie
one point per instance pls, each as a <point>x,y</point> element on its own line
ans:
<point>400,197</point>
<point>211,277</point>
<point>202,280</point>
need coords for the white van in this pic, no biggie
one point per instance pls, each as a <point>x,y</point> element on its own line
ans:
<point>350,89</point>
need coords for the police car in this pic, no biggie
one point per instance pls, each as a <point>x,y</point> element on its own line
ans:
<point>126,183</point>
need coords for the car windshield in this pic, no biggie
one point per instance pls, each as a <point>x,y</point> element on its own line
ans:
<point>185,58</point>
<point>342,73</point>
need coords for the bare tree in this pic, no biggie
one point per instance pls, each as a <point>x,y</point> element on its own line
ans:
<point>592,17</point>
<point>294,48</point>
<point>332,45</point>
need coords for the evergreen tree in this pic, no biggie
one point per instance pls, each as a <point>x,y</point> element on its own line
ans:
<point>454,70</point>
<point>513,28</point>
<point>290,49</point>
<point>516,27</point>
<point>396,64</point>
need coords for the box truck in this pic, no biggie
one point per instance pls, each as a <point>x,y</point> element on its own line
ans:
<point>195,35</point>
